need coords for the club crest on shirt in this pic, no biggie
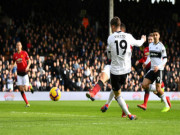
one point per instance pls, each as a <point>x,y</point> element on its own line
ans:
<point>21,56</point>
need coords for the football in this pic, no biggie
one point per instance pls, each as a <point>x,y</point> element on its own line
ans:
<point>55,94</point>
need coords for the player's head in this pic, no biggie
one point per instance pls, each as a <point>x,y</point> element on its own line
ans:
<point>150,38</point>
<point>115,23</point>
<point>18,46</point>
<point>123,27</point>
<point>156,35</point>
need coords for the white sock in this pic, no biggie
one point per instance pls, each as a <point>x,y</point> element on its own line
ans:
<point>111,95</point>
<point>123,105</point>
<point>163,97</point>
<point>152,87</point>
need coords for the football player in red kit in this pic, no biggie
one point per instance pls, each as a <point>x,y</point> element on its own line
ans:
<point>145,54</point>
<point>21,59</point>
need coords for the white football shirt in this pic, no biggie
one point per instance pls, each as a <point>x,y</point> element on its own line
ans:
<point>157,53</point>
<point>119,51</point>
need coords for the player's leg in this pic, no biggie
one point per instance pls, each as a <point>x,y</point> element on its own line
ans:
<point>116,82</point>
<point>123,113</point>
<point>163,97</point>
<point>105,75</point>
<point>146,85</point>
<point>108,102</point>
<point>123,105</point>
<point>22,81</point>
<point>30,87</point>
<point>103,79</point>
<point>92,92</point>
<point>153,89</point>
<point>158,94</point>
<point>159,90</point>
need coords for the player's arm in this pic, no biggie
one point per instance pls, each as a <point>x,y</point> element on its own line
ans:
<point>163,63</point>
<point>29,64</point>
<point>108,53</point>
<point>28,60</point>
<point>147,61</point>
<point>138,43</point>
<point>12,66</point>
<point>164,56</point>
<point>140,61</point>
<point>108,49</point>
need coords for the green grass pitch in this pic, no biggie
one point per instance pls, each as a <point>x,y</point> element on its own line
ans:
<point>85,118</point>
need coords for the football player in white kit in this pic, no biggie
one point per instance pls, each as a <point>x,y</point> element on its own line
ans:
<point>147,68</point>
<point>143,106</point>
<point>105,76</point>
<point>119,51</point>
<point>158,57</point>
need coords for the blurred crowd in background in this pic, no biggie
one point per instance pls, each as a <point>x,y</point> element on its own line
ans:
<point>70,55</point>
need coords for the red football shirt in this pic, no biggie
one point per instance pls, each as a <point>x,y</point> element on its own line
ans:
<point>144,58</point>
<point>21,61</point>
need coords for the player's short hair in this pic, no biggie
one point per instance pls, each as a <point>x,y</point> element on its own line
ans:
<point>116,21</point>
<point>123,26</point>
<point>156,30</point>
<point>150,35</point>
<point>18,42</point>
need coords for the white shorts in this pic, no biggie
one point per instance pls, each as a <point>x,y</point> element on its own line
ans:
<point>106,70</point>
<point>22,80</point>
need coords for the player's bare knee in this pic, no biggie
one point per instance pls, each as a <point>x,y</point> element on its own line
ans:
<point>145,86</point>
<point>104,78</point>
<point>155,92</point>
<point>21,88</point>
<point>158,89</point>
<point>26,88</point>
<point>117,93</point>
<point>158,86</point>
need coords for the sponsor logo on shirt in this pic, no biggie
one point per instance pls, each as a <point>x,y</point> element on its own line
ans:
<point>147,53</point>
<point>155,54</point>
<point>19,60</point>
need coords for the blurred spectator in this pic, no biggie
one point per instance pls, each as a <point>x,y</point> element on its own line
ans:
<point>10,82</point>
<point>67,55</point>
<point>172,86</point>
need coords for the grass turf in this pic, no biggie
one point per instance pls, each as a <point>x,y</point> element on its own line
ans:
<point>85,118</point>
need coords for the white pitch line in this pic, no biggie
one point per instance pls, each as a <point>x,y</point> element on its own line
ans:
<point>75,115</point>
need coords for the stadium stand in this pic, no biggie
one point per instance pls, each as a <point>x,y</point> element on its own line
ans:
<point>71,57</point>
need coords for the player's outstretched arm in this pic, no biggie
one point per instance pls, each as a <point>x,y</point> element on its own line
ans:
<point>138,43</point>
<point>143,37</point>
